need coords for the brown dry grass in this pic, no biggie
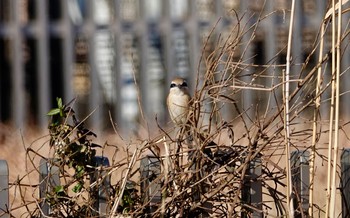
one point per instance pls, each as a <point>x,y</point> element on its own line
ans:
<point>14,144</point>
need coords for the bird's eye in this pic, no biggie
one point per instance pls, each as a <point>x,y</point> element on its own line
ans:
<point>172,85</point>
<point>184,84</point>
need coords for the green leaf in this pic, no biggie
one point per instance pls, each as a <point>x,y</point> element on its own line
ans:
<point>59,189</point>
<point>59,102</point>
<point>77,188</point>
<point>54,111</point>
<point>80,171</point>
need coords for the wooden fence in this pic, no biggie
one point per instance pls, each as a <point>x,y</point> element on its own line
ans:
<point>252,193</point>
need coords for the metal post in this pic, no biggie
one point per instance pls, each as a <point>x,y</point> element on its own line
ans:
<point>297,42</point>
<point>4,189</point>
<point>42,62</point>
<point>95,97</point>
<point>270,50</point>
<point>345,63</point>
<point>152,70</point>
<point>150,184</point>
<point>102,187</point>
<point>345,182</point>
<point>18,94</point>
<point>252,189</point>
<point>68,52</point>
<point>247,96</point>
<point>193,36</point>
<point>301,180</point>
<point>141,28</point>
<point>48,179</point>
<point>168,55</point>
<point>117,27</point>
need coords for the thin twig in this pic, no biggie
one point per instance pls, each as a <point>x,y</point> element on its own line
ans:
<point>289,198</point>
<point>122,188</point>
<point>331,118</point>
<point>336,125</point>
<point>314,130</point>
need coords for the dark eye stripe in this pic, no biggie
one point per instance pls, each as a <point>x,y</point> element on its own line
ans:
<point>184,84</point>
<point>172,85</point>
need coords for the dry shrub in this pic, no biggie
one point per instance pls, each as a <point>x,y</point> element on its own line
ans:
<point>206,171</point>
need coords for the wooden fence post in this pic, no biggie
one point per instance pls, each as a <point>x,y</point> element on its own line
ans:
<point>252,189</point>
<point>4,189</point>
<point>301,180</point>
<point>345,182</point>
<point>48,179</point>
<point>102,189</point>
<point>150,184</point>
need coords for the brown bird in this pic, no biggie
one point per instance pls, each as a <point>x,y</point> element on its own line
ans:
<point>182,115</point>
<point>178,101</point>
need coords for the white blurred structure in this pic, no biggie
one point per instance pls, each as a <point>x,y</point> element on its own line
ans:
<point>133,49</point>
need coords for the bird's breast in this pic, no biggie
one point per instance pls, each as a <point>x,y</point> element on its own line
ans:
<point>178,107</point>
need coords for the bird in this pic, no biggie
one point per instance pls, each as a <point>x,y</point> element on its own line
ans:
<point>182,115</point>
<point>178,101</point>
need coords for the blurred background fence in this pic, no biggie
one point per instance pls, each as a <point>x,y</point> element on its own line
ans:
<point>102,51</point>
